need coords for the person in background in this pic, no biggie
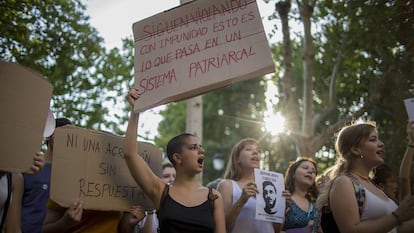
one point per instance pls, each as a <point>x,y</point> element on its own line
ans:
<point>185,205</point>
<point>406,163</point>
<point>150,223</point>
<point>300,182</point>
<point>130,220</point>
<point>355,203</point>
<point>405,189</point>
<point>239,190</point>
<point>142,221</point>
<point>75,218</point>
<point>323,179</point>
<point>168,173</point>
<point>214,183</point>
<point>11,192</point>
<point>387,181</point>
<point>37,188</point>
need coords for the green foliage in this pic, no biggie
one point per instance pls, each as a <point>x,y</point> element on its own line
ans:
<point>173,123</point>
<point>55,38</point>
<point>375,42</point>
<point>229,114</point>
<point>370,42</point>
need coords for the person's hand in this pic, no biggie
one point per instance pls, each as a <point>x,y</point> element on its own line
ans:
<point>137,214</point>
<point>73,214</point>
<point>405,210</point>
<point>288,197</point>
<point>38,163</point>
<point>132,96</point>
<point>410,132</point>
<point>249,190</point>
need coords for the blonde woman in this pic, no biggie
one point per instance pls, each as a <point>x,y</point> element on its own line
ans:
<point>352,202</point>
<point>239,190</point>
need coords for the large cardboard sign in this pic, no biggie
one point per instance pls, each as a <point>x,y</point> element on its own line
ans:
<point>198,47</point>
<point>90,165</point>
<point>24,101</point>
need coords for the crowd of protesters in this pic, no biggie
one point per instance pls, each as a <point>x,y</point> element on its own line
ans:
<point>358,194</point>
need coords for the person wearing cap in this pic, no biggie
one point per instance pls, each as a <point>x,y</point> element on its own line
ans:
<point>75,218</point>
<point>37,187</point>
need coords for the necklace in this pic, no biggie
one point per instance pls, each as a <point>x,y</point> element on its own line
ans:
<point>366,178</point>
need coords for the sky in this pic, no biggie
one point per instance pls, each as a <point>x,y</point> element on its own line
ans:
<point>114,19</point>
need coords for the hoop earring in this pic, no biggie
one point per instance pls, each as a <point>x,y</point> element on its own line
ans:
<point>361,156</point>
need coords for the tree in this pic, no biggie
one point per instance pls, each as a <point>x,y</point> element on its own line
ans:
<point>229,114</point>
<point>361,51</point>
<point>56,39</point>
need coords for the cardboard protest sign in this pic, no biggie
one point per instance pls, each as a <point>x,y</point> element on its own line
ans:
<point>409,106</point>
<point>90,165</point>
<point>24,100</point>
<point>270,204</point>
<point>198,47</point>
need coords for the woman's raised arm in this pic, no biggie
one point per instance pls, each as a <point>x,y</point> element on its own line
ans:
<point>139,169</point>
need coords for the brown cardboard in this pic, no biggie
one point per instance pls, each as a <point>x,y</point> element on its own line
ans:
<point>89,164</point>
<point>24,100</point>
<point>198,47</point>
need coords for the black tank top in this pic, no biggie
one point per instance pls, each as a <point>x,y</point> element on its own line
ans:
<point>176,218</point>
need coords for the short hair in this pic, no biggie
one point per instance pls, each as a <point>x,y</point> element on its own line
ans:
<point>267,183</point>
<point>165,165</point>
<point>175,145</point>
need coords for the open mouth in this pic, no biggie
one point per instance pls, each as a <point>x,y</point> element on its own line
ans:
<point>200,161</point>
<point>309,177</point>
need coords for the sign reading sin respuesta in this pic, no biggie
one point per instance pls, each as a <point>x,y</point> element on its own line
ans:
<point>90,165</point>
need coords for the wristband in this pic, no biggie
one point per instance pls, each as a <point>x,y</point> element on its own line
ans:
<point>150,212</point>
<point>396,217</point>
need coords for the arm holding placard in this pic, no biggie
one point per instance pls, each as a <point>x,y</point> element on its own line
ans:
<point>130,219</point>
<point>406,163</point>
<point>60,221</point>
<point>38,163</point>
<point>139,169</point>
<point>405,171</point>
